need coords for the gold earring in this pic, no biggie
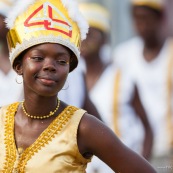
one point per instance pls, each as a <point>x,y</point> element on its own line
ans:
<point>19,79</point>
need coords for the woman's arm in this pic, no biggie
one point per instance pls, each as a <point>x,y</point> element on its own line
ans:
<point>88,104</point>
<point>97,139</point>
<point>140,112</point>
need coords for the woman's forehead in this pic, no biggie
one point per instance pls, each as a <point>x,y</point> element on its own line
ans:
<point>49,47</point>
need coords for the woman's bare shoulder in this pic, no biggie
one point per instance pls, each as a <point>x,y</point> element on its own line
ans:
<point>91,133</point>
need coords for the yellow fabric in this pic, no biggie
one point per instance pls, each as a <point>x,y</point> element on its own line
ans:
<point>155,4</point>
<point>96,15</point>
<point>169,95</point>
<point>116,104</point>
<point>54,151</point>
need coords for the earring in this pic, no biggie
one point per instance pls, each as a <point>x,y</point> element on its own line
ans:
<point>66,86</point>
<point>19,79</point>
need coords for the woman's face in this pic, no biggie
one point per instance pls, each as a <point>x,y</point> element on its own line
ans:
<point>44,68</point>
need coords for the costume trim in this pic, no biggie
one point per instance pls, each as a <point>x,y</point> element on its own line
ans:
<point>116,103</point>
<point>45,138</point>
<point>169,96</point>
<point>9,139</point>
<point>39,40</point>
<point>153,5</point>
<point>93,12</point>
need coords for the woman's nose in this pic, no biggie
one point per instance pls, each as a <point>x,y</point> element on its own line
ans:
<point>49,65</point>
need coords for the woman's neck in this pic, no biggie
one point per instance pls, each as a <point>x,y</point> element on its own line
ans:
<point>37,105</point>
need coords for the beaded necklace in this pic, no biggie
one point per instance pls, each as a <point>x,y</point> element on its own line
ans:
<point>51,113</point>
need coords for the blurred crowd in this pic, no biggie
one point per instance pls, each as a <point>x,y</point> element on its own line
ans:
<point>129,87</point>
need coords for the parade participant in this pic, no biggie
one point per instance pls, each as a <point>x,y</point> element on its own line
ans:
<point>148,60</point>
<point>77,95</point>
<point>42,133</point>
<point>118,112</point>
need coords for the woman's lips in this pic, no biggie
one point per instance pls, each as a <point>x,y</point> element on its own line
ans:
<point>47,81</point>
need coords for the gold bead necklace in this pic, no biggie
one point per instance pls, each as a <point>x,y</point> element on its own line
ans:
<point>40,117</point>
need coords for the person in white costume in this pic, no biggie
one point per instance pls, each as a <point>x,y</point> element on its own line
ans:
<point>97,165</point>
<point>101,76</point>
<point>75,93</point>
<point>148,61</point>
<point>10,90</point>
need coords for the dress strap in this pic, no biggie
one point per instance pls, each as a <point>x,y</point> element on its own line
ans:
<point>115,102</point>
<point>170,93</point>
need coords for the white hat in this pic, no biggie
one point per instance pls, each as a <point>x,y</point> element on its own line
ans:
<point>96,15</point>
<point>155,4</point>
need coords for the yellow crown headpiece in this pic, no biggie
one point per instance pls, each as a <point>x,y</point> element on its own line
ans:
<point>96,15</point>
<point>155,4</point>
<point>33,22</point>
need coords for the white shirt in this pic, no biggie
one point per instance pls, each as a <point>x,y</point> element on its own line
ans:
<point>151,80</point>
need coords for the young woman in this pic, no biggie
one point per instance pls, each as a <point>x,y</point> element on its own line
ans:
<point>43,134</point>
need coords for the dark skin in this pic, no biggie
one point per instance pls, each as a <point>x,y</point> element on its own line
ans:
<point>90,52</point>
<point>5,65</point>
<point>140,111</point>
<point>148,23</point>
<point>89,106</point>
<point>44,69</point>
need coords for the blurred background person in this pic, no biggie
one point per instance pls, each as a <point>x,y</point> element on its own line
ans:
<point>147,60</point>
<point>75,92</point>
<point>95,65</point>
<point>10,84</point>
<point>101,75</point>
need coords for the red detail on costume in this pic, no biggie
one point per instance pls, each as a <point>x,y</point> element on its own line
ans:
<point>27,24</point>
<point>47,23</point>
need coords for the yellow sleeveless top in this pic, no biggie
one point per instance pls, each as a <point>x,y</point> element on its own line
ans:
<point>55,150</point>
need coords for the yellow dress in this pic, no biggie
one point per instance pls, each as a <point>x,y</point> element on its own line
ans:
<point>55,150</point>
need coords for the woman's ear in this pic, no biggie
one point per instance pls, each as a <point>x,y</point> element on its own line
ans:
<point>18,68</point>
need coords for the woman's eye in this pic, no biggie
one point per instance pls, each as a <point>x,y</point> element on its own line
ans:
<point>37,58</point>
<point>62,62</point>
